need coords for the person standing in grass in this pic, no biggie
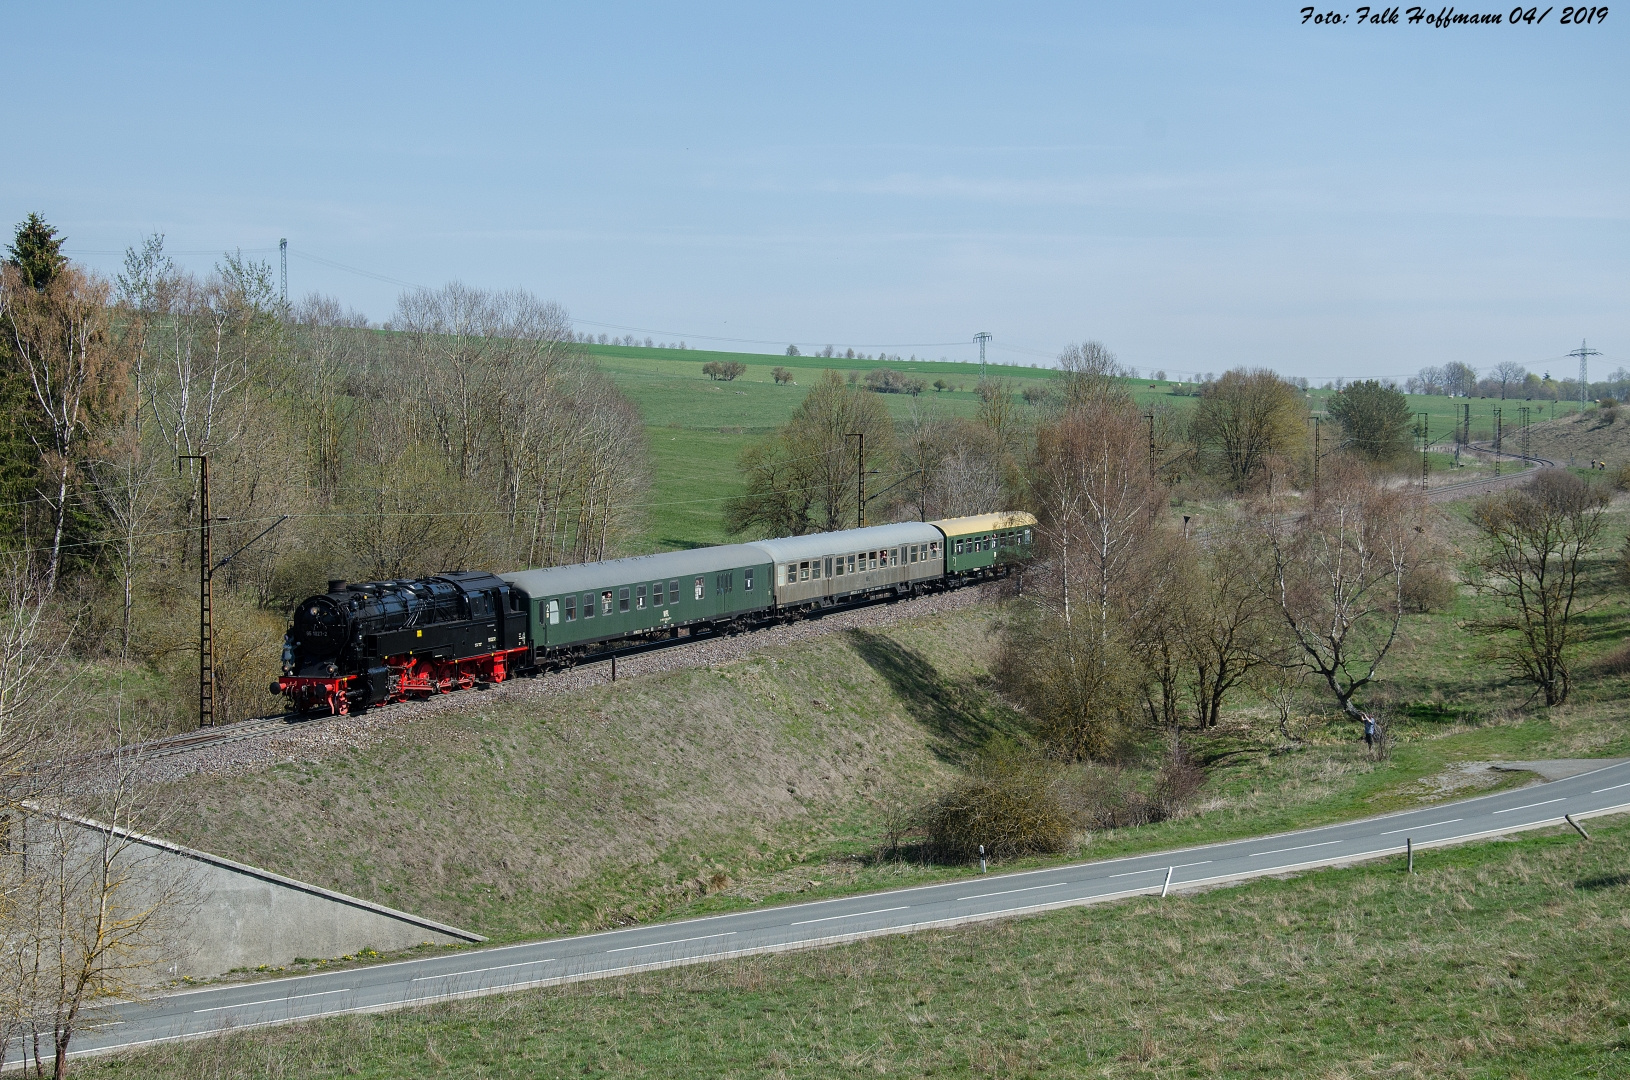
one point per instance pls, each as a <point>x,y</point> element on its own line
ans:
<point>1369,731</point>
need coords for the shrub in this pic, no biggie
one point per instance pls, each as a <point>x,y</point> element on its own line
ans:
<point>1616,662</point>
<point>889,381</point>
<point>1108,797</point>
<point>1428,589</point>
<point>1010,807</point>
<point>724,370</point>
<point>782,375</point>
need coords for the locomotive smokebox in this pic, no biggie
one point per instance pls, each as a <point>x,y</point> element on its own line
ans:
<point>336,585</point>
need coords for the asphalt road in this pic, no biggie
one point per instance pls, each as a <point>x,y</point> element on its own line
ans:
<point>795,926</point>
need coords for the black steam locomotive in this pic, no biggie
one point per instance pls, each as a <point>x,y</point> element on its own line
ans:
<point>402,638</point>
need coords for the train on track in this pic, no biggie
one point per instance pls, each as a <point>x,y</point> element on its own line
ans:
<point>361,645</point>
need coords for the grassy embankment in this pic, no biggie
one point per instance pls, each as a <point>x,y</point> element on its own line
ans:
<point>1493,960</point>
<point>668,795</point>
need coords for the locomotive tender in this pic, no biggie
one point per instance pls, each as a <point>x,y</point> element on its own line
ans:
<point>382,641</point>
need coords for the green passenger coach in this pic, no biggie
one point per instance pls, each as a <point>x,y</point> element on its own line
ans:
<point>571,609</point>
<point>975,545</point>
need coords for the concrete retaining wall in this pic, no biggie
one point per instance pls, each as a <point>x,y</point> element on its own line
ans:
<point>237,916</point>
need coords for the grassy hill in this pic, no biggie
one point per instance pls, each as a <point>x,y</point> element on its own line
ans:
<point>628,800</point>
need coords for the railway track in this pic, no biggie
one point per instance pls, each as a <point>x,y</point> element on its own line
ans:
<point>1461,488</point>
<point>261,726</point>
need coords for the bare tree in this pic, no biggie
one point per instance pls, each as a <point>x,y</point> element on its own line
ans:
<point>1228,631</point>
<point>1097,508</point>
<point>101,907</point>
<point>1507,372</point>
<point>1535,543</point>
<point>1338,574</point>
<point>1091,377</point>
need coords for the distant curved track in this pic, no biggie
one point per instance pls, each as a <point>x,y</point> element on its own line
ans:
<point>1488,484</point>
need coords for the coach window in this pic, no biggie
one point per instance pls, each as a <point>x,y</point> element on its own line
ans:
<point>639,599</point>
<point>622,599</point>
<point>803,571</point>
<point>554,613</point>
<point>700,588</point>
<point>850,563</point>
<point>588,605</point>
<point>747,579</point>
<point>605,602</point>
<point>829,565</point>
<point>571,608</point>
<point>673,591</point>
<point>815,569</point>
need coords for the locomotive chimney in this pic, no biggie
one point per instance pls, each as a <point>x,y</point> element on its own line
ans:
<point>336,585</point>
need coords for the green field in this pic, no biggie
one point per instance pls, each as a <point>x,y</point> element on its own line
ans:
<point>1500,959</point>
<point>698,427</point>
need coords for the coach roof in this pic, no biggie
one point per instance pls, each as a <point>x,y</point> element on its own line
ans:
<point>583,577</point>
<point>795,548</point>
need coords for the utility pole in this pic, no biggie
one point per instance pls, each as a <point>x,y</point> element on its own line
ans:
<point>1315,461</point>
<point>1584,372</point>
<point>981,337</point>
<point>1151,418</point>
<point>860,478</point>
<point>283,257</point>
<point>206,637</point>
<point>206,589</point>
<point>1497,435</point>
<point>1522,438</point>
<point>1426,445</point>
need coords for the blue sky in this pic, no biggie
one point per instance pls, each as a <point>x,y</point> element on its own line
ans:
<point>1198,186</point>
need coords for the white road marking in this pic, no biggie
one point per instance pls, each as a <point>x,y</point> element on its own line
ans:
<point>1281,851</point>
<point>1615,787</point>
<point>675,941</point>
<point>272,1001</point>
<point>1412,828</point>
<point>477,971</point>
<point>1158,869</point>
<point>1529,806</point>
<point>856,915</point>
<point>1010,892</point>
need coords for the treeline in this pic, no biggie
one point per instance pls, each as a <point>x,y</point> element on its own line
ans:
<point>806,476</point>
<point>475,433</point>
<point>1130,632</point>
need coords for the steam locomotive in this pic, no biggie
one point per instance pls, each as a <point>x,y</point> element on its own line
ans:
<point>361,645</point>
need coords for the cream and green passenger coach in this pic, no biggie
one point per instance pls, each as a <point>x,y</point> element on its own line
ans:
<point>575,610</point>
<point>978,544</point>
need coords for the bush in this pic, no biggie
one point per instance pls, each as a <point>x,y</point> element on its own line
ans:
<point>1616,662</point>
<point>1428,589</point>
<point>1107,797</point>
<point>1009,807</point>
<point>782,375</point>
<point>724,370</point>
<point>889,381</point>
